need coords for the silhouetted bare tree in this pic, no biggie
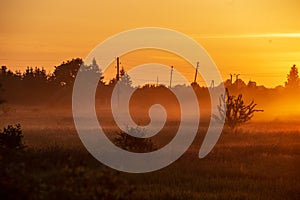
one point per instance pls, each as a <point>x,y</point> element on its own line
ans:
<point>234,111</point>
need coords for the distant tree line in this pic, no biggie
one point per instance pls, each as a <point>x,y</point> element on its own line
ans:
<point>292,83</point>
<point>36,86</point>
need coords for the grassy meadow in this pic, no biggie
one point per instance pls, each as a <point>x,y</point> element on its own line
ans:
<point>260,160</point>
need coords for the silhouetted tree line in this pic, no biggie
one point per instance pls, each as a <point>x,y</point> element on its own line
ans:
<point>35,85</point>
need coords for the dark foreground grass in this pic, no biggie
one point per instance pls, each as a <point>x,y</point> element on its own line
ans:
<point>241,166</point>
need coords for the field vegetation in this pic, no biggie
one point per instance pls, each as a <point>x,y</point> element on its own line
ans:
<point>253,162</point>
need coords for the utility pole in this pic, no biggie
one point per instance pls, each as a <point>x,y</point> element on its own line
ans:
<point>157,81</point>
<point>118,69</point>
<point>236,80</point>
<point>236,76</point>
<point>230,78</point>
<point>212,84</point>
<point>171,76</point>
<point>196,72</point>
<point>118,77</point>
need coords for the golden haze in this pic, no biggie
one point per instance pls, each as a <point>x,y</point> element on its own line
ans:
<point>258,39</point>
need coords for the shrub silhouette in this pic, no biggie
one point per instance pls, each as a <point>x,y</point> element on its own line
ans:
<point>134,144</point>
<point>234,111</point>
<point>11,138</point>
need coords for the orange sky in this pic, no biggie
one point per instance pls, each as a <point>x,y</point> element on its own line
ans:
<point>258,39</point>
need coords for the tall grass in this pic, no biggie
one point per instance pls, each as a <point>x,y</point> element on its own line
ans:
<point>253,163</point>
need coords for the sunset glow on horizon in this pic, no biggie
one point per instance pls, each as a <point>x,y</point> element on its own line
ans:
<point>259,40</point>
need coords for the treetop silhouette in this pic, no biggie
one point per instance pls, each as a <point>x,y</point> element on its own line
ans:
<point>65,73</point>
<point>35,85</point>
<point>293,81</point>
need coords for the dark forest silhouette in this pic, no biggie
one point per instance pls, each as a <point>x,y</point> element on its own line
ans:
<point>37,87</point>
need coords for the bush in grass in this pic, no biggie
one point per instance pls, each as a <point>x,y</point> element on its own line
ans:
<point>134,144</point>
<point>11,138</point>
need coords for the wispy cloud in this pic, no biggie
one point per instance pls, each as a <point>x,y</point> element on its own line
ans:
<point>264,35</point>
